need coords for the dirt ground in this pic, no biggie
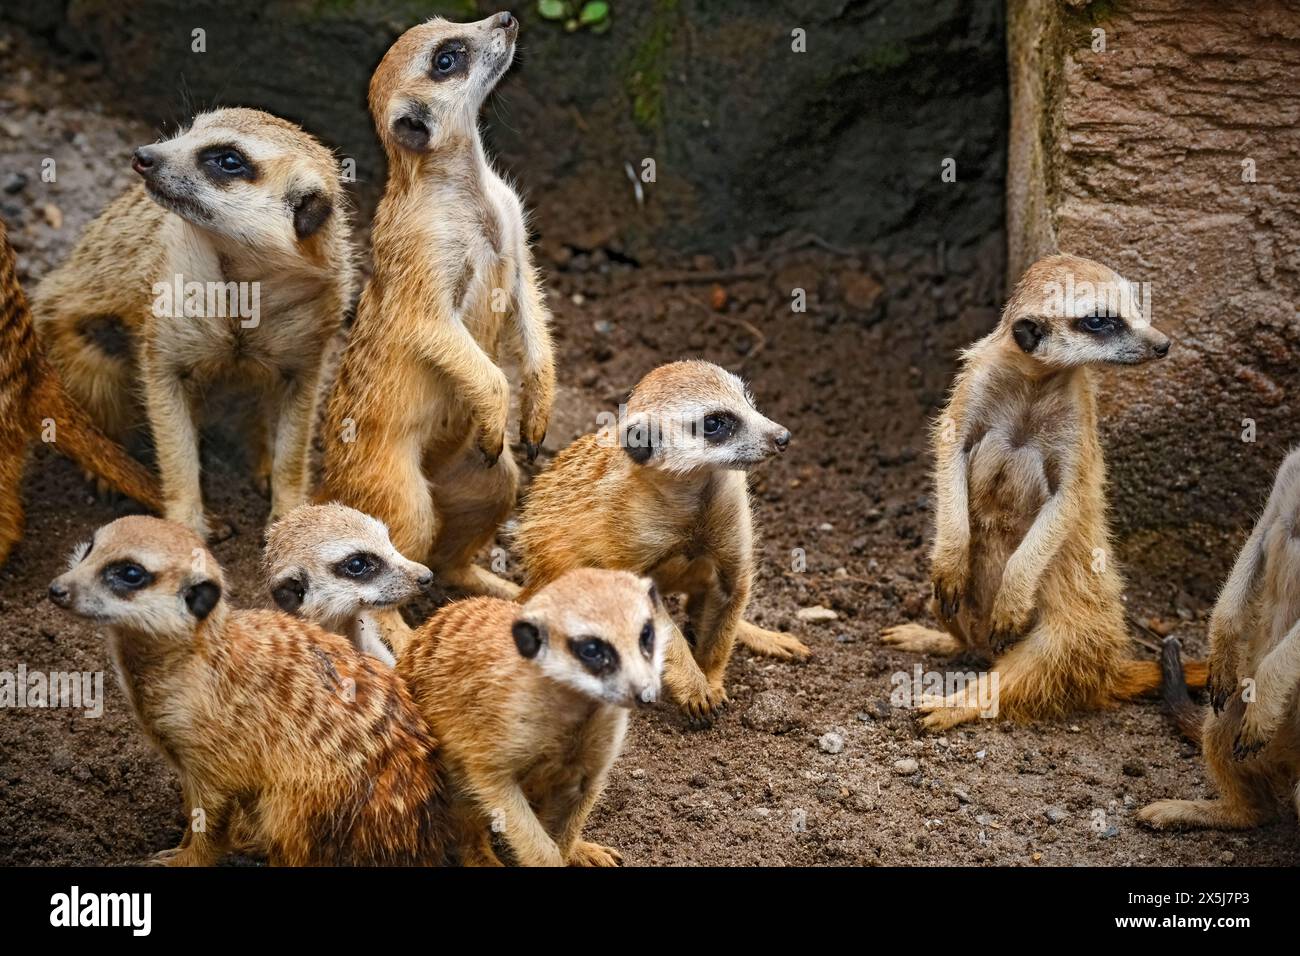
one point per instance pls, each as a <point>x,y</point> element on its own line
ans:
<point>812,764</point>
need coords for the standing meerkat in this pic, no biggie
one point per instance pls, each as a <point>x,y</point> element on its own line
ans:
<point>665,494</point>
<point>1021,562</point>
<point>34,402</point>
<point>288,734</point>
<point>335,566</point>
<point>530,703</point>
<point>416,420</point>
<point>230,262</point>
<point>1251,739</point>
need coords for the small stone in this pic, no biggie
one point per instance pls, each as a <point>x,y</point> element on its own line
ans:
<point>761,811</point>
<point>831,743</point>
<point>1110,833</point>
<point>961,795</point>
<point>772,713</point>
<point>1055,814</point>
<point>1132,768</point>
<point>906,767</point>
<point>53,215</point>
<point>816,614</point>
<point>15,183</point>
<point>981,754</point>
<point>1227,856</point>
<point>826,526</point>
<point>577,298</point>
<point>603,326</point>
<point>638,774</point>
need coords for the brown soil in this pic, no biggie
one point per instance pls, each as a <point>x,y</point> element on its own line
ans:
<point>855,378</point>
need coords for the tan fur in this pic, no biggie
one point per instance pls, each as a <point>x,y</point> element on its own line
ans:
<point>117,352</point>
<point>34,403</point>
<point>529,732</point>
<point>416,420</point>
<point>335,566</point>
<point>313,749</point>
<point>1252,746</point>
<point>681,516</point>
<point>1022,564</point>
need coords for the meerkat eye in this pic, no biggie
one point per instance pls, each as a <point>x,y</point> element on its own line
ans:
<point>718,426</point>
<point>126,576</point>
<point>448,59</point>
<point>1096,324</point>
<point>223,162</point>
<point>358,566</point>
<point>648,639</point>
<point>595,655</point>
<point>445,62</point>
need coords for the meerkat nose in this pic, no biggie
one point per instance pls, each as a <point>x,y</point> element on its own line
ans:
<point>781,439</point>
<point>59,594</point>
<point>504,20</point>
<point>143,161</point>
<point>425,580</point>
<point>1163,348</point>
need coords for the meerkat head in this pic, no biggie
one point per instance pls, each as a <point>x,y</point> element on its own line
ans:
<point>245,175</point>
<point>596,632</point>
<point>1067,311</point>
<point>693,416</point>
<point>143,575</point>
<point>431,83</point>
<point>327,563</point>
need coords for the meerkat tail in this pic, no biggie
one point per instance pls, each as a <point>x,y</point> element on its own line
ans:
<point>1178,703</point>
<point>1145,678</point>
<point>77,437</point>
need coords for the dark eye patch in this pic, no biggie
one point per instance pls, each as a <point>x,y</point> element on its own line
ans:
<point>595,654</point>
<point>123,577</point>
<point>361,566</point>
<point>223,164</point>
<point>450,59</point>
<point>1099,323</point>
<point>718,426</point>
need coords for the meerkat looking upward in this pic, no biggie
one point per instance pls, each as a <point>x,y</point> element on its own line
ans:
<point>230,262</point>
<point>665,494</point>
<point>335,566</point>
<point>1022,561</point>
<point>33,401</point>
<point>530,704</point>
<point>1251,741</point>
<point>278,730</point>
<point>416,420</point>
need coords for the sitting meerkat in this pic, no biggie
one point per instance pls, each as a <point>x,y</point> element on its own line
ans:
<point>34,402</point>
<point>1251,739</point>
<point>279,731</point>
<point>1021,562</point>
<point>230,262</point>
<point>665,494</point>
<point>335,566</point>
<point>529,704</point>
<point>416,420</point>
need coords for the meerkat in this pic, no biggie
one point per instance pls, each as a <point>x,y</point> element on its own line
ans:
<point>529,704</point>
<point>231,262</point>
<point>34,403</point>
<point>1022,564</point>
<point>1251,735</point>
<point>317,753</point>
<point>416,419</point>
<point>664,493</point>
<point>335,566</point>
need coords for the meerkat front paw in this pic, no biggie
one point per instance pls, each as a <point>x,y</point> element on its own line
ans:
<point>593,854</point>
<point>534,418</point>
<point>492,427</point>
<point>1257,729</point>
<point>703,707</point>
<point>1009,624</point>
<point>1222,680</point>
<point>949,590</point>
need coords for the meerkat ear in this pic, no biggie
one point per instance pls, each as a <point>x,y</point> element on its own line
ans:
<point>289,592</point>
<point>1027,334</point>
<point>638,441</point>
<point>310,212</point>
<point>202,597</point>
<point>529,638</point>
<point>413,128</point>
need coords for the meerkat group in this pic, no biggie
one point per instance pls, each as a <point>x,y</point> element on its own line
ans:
<point>330,730</point>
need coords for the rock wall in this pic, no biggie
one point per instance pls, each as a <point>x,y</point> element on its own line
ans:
<point>1161,137</point>
<point>749,138</point>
